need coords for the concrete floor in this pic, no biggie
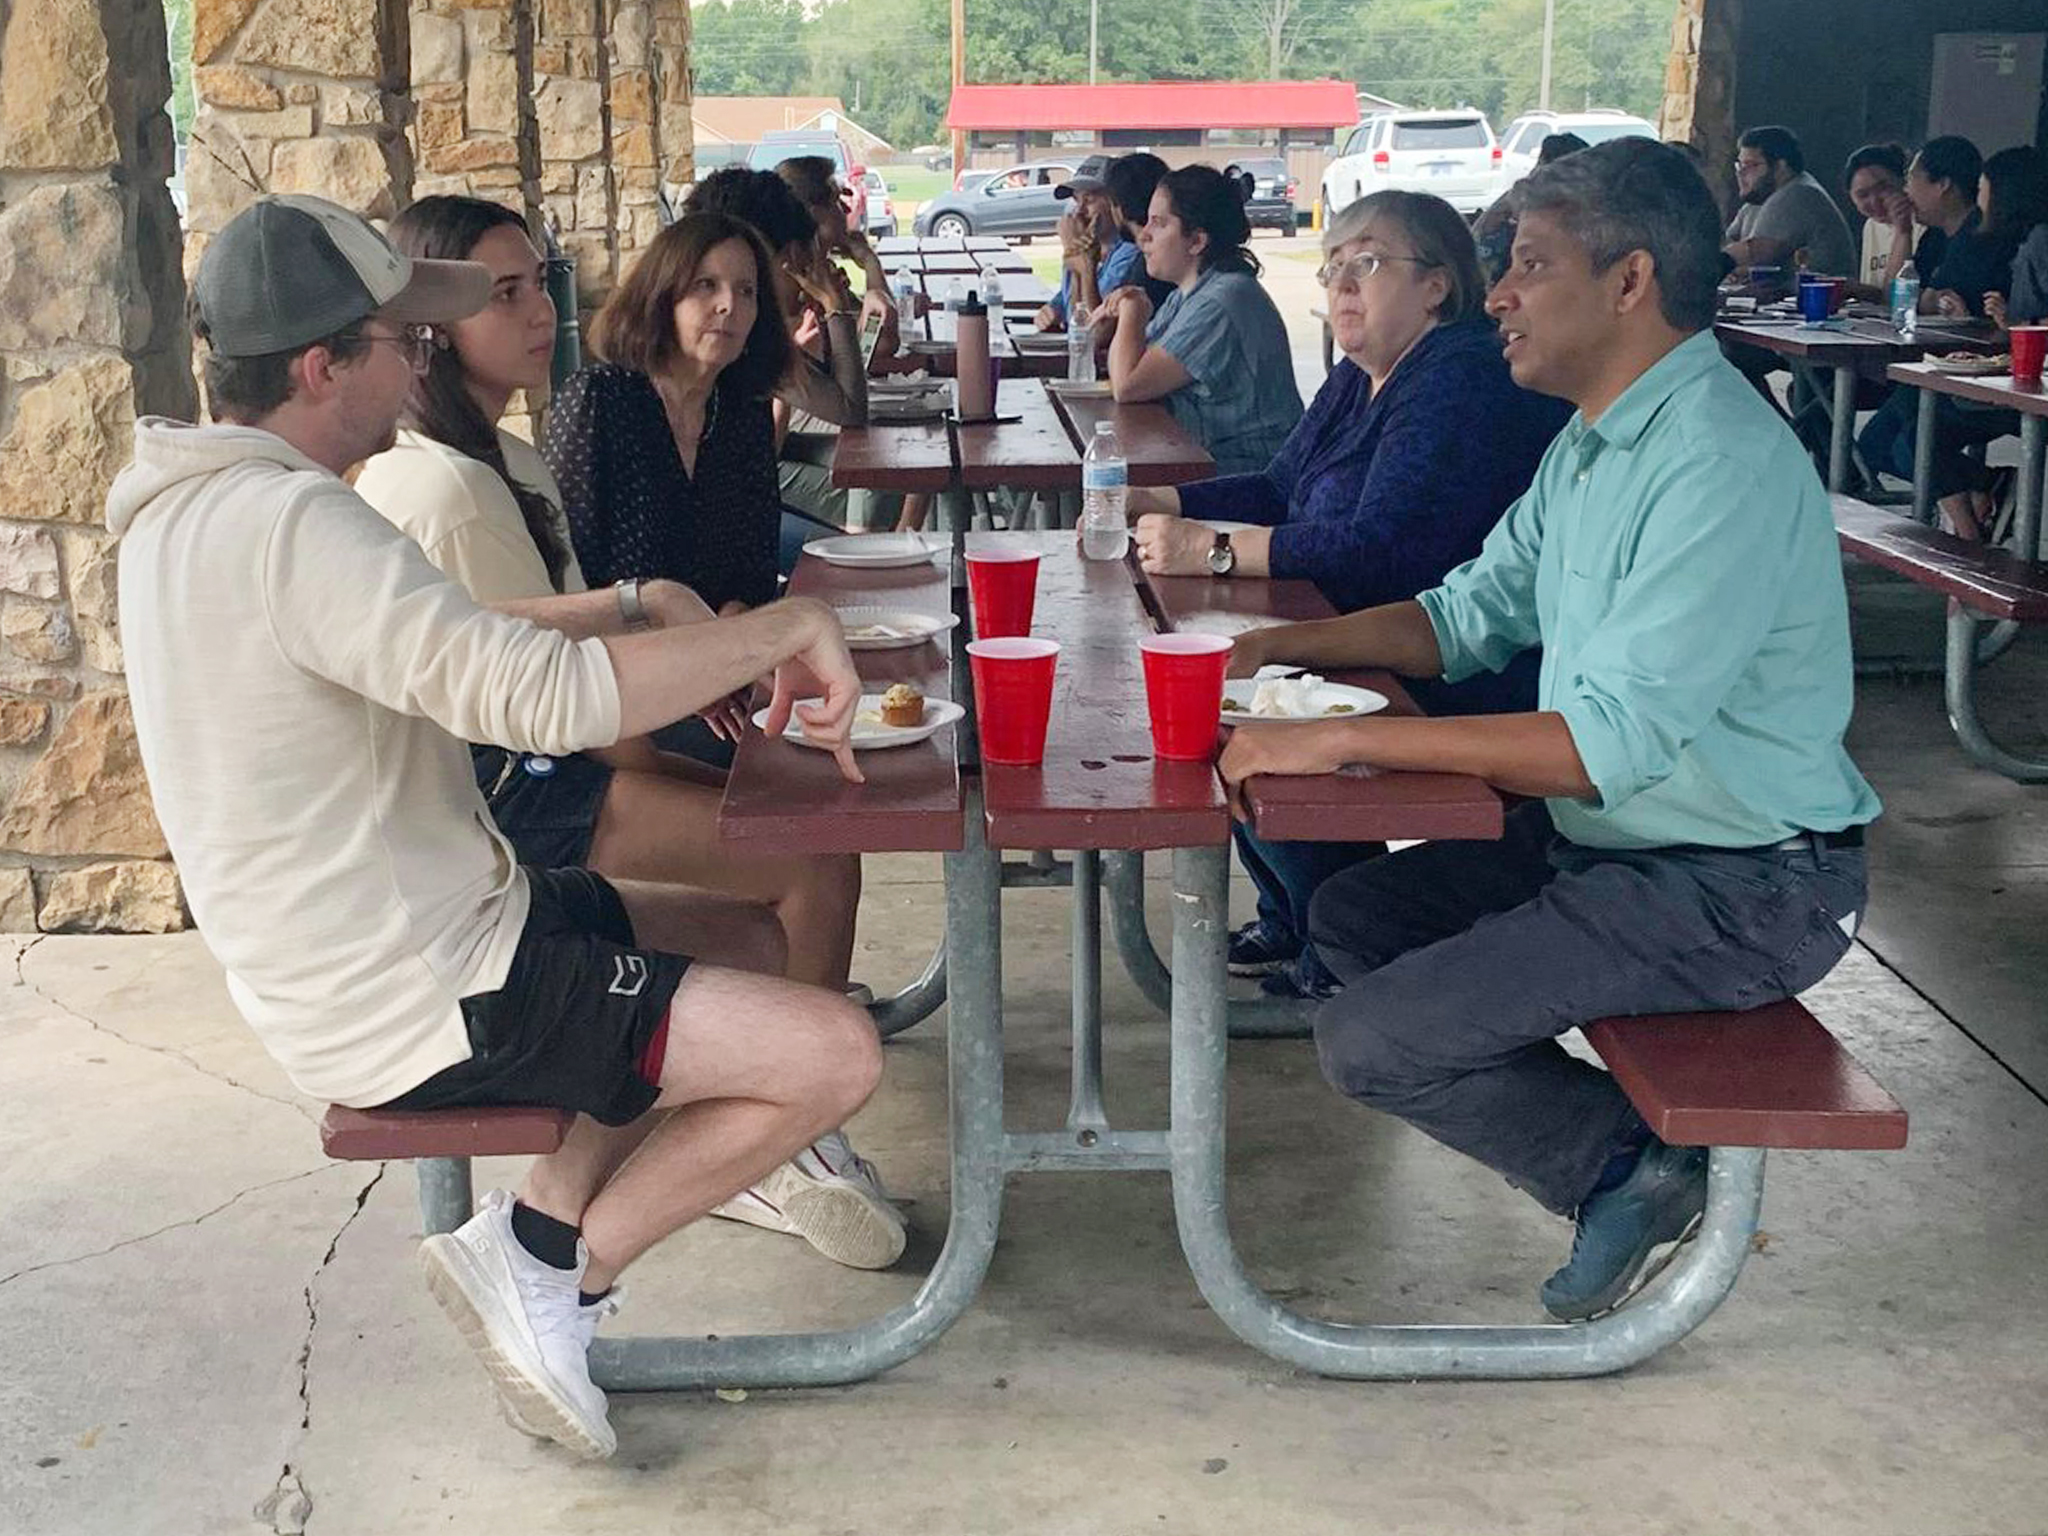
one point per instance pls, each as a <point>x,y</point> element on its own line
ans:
<point>207,1328</point>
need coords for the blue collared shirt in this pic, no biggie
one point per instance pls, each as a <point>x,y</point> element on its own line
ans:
<point>1124,264</point>
<point>1677,561</point>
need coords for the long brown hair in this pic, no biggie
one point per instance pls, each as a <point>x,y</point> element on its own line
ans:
<point>637,326</point>
<point>441,407</point>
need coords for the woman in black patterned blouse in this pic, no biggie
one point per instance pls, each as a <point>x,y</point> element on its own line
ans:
<point>665,452</point>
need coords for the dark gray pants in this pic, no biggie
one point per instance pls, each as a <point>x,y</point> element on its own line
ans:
<point>1463,962</point>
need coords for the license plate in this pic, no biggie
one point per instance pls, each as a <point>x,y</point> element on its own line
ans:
<point>1441,167</point>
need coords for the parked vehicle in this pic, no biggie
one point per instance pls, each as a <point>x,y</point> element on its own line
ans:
<point>1452,154</point>
<point>881,219</point>
<point>1018,202</point>
<point>1525,135</point>
<point>780,144</point>
<point>1273,194</point>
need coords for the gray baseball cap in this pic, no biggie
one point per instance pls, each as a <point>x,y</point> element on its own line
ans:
<point>289,270</point>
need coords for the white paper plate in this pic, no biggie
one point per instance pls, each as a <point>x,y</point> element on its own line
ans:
<point>1080,389</point>
<point>869,734</point>
<point>904,629</point>
<point>1329,699</point>
<point>876,551</point>
<point>1038,341</point>
<point>1221,525</point>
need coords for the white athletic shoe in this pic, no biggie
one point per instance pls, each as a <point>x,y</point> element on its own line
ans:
<point>522,1319</point>
<point>831,1197</point>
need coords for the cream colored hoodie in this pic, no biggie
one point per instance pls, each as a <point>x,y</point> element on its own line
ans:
<point>304,682</point>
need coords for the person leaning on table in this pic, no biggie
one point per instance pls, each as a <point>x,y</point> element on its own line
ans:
<point>1414,447</point>
<point>1695,836</point>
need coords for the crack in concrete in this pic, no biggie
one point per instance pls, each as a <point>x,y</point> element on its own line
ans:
<point>288,1507</point>
<point>189,1221</point>
<point>21,980</point>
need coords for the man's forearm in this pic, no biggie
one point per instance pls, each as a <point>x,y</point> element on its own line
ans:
<point>584,615</point>
<point>668,674</point>
<point>1527,754</point>
<point>1396,636</point>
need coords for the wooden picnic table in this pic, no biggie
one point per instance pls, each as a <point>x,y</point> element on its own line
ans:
<point>1859,346</point>
<point>2030,401</point>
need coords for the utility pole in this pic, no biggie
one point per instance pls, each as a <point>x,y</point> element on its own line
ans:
<point>1094,17</point>
<point>959,79</point>
<point>1549,32</point>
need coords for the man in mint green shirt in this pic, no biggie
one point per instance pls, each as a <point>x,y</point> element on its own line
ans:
<point>1694,836</point>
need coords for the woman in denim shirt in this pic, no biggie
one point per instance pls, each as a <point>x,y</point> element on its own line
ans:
<point>1216,351</point>
<point>1415,446</point>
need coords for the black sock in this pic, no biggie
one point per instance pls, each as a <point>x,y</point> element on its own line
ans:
<point>592,1298</point>
<point>552,1242</point>
<point>1623,1163</point>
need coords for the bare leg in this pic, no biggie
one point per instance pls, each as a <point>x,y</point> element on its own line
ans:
<point>917,507</point>
<point>654,827</point>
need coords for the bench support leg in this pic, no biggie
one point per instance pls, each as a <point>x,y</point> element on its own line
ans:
<point>916,1002</point>
<point>1923,460</point>
<point>974,1061</point>
<point>1683,1297</point>
<point>1842,431</point>
<point>1963,718</point>
<point>446,1198</point>
<point>1085,1111</point>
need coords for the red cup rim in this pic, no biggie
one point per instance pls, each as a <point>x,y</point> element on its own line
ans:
<point>1013,648</point>
<point>1186,645</point>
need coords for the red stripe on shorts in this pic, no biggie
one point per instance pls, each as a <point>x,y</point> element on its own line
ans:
<point>656,1052</point>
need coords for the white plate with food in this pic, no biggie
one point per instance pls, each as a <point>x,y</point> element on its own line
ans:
<point>1290,700</point>
<point>891,629</point>
<point>1969,362</point>
<point>871,728</point>
<point>877,551</point>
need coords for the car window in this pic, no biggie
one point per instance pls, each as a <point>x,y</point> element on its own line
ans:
<point>1360,137</point>
<point>1523,139</point>
<point>1600,133</point>
<point>1010,181</point>
<point>1461,133</point>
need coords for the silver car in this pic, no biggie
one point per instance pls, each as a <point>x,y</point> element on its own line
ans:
<point>1018,201</point>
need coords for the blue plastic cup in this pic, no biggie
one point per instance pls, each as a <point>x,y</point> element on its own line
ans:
<point>1814,298</point>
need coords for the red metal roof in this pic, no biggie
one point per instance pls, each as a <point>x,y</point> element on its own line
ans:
<point>1163,104</point>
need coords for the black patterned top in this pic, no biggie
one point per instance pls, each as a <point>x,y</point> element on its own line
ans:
<point>632,508</point>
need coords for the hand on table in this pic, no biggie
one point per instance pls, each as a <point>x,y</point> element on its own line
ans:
<point>824,667</point>
<point>1311,747</point>
<point>1248,653</point>
<point>1949,303</point>
<point>1047,318</point>
<point>1173,546</point>
<point>1995,311</point>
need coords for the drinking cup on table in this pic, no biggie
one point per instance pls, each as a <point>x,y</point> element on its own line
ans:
<point>1838,294</point>
<point>1814,295</point>
<point>1013,697</point>
<point>1002,584</point>
<point>1184,691</point>
<point>2029,349</point>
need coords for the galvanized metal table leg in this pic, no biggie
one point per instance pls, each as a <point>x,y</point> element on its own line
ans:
<point>1084,1102</point>
<point>1963,717</point>
<point>1923,459</point>
<point>916,1002</point>
<point>446,1197</point>
<point>974,1060</point>
<point>1843,433</point>
<point>1682,1298</point>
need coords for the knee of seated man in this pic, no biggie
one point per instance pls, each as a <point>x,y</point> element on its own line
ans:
<point>851,1068</point>
<point>1361,1044</point>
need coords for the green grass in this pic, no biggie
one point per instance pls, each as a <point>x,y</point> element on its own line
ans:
<point>914,184</point>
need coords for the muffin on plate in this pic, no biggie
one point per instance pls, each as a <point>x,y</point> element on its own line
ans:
<point>902,705</point>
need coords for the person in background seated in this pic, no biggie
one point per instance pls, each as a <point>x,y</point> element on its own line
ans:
<point>1784,210</point>
<point>1097,257</point>
<point>1414,446</point>
<point>304,681</point>
<point>1875,179</point>
<point>1495,232</point>
<point>2028,304</point>
<point>1973,266</point>
<point>1694,836</point>
<point>1215,352</point>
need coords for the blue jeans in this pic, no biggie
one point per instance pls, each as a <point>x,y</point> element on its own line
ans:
<point>1286,876</point>
<point>1886,441</point>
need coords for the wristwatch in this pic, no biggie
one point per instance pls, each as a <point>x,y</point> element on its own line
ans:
<point>1222,558</point>
<point>631,609</point>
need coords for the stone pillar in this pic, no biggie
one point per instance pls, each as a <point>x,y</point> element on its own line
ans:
<point>297,96</point>
<point>1699,87</point>
<point>91,335</point>
<point>571,70</point>
<point>676,138</point>
<point>474,131</point>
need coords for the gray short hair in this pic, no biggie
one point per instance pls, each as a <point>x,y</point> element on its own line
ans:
<point>1638,195</point>
<point>1438,233</point>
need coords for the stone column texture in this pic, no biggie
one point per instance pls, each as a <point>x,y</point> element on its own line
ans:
<point>1699,87</point>
<point>91,335</point>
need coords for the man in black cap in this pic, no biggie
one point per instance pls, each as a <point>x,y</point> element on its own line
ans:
<point>304,683</point>
<point>1099,245</point>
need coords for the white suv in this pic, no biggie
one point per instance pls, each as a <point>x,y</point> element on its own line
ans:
<point>1452,154</point>
<point>1525,135</point>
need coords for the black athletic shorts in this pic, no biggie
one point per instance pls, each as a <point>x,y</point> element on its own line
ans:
<point>546,806</point>
<point>582,1020</point>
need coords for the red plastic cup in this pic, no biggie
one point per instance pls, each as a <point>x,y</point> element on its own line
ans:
<point>1013,696</point>
<point>2029,351</point>
<point>1003,587</point>
<point>1184,688</point>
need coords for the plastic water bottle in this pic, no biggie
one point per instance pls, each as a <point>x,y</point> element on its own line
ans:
<point>1080,344</point>
<point>992,296</point>
<point>906,296</point>
<point>1906,301</point>
<point>1105,493</point>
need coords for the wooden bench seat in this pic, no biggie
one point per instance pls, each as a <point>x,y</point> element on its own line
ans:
<point>1765,1077</point>
<point>1993,582</point>
<point>370,1135</point>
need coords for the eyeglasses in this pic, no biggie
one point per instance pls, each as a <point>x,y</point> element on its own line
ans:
<point>1353,271</point>
<point>1752,165</point>
<point>416,341</point>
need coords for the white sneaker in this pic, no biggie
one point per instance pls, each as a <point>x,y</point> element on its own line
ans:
<point>831,1197</point>
<point>522,1318</point>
